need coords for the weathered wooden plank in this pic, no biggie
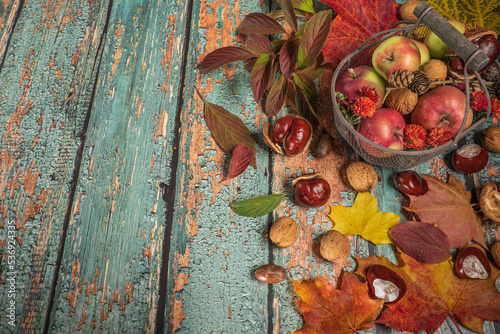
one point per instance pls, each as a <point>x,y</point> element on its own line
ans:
<point>110,272</point>
<point>213,252</point>
<point>38,143</point>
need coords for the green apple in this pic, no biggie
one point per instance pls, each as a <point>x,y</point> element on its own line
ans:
<point>424,52</point>
<point>436,46</point>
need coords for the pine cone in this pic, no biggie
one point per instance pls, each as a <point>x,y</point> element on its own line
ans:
<point>492,73</point>
<point>420,83</point>
<point>491,86</point>
<point>400,78</point>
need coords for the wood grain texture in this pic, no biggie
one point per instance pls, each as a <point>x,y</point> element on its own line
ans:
<point>109,275</point>
<point>38,145</point>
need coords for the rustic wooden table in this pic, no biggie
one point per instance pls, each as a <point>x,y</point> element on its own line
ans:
<point>111,178</point>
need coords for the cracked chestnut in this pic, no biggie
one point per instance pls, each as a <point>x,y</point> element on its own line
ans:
<point>409,182</point>
<point>385,284</point>
<point>290,135</point>
<point>311,190</point>
<point>469,158</point>
<point>471,263</point>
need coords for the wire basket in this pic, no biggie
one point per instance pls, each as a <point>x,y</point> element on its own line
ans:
<point>376,154</point>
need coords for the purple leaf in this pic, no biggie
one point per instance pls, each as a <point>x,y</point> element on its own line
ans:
<point>260,23</point>
<point>261,75</point>
<point>314,37</point>
<point>288,56</point>
<point>276,96</point>
<point>240,160</point>
<point>223,56</point>
<point>304,105</point>
<point>259,44</point>
<point>422,241</point>
<point>289,14</point>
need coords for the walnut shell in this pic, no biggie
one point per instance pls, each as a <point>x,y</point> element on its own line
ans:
<point>435,69</point>
<point>490,139</point>
<point>284,232</point>
<point>335,247</point>
<point>495,253</point>
<point>402,100</point>
<point>406,10</point>
<point>489,201</point>
<point>361,176</point>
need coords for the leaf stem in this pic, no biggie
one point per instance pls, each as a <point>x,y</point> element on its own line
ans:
<point>454,321</point>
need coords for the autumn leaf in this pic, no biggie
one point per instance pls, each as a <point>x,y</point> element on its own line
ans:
<point>447,206</point>
<point>364,218</point>
<point>485,12</point>
<point>242,158</point>
<point>354,23</point>
<point>434,292</point>
<point>329,310</point>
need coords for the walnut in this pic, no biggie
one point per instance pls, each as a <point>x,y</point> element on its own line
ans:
<point>490,139</point>
<point>402,100</point>
<point>495,253</point>
<point>335,247</point>
<point>406,10</point>
<point>361,176</point>
<point>284,232</point>
<point>489,201</point>
<point>436,70</point>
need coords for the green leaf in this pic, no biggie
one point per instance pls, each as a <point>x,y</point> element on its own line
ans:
<point>305,5</point>
<point>276,96</point>
<point>260,23</point>
<point>304,104</point>
<point>314,71</point>
<point>289,14</point>
<point>288,55</point>
<point>279,13</point>
<point>307,86</point>
<point>223,56</point>
<point>258,206</point>
<point>261,75</point>
<point>227,129</point>
<point>313,38</point>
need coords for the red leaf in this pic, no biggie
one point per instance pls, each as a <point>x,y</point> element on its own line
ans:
<point>260,23</point>
<point>288,56</point>
<point>313,38</point>
<point>259,44</point>
<point>329,310</point>
<point>422,241</point>
<point>276,96</point>
<point>261,75</point>
<point>223,56</point>
<point>289,14</point>
<point>240,160</point>
<point>354,23</point>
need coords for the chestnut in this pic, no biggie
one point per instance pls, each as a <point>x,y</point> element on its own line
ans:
<point>469,158</point>
<point>386,284</point>
<point>409,182</point>
<point>471,263</point>
<point>311,190</point>
<point>270,273</point>
<point>290,135</point>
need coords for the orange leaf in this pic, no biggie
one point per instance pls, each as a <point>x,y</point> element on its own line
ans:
<point>434,292</point>
<point>354,23</point>
<point>329,310</point>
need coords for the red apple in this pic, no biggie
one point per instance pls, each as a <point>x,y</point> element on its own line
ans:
<point>386,128</point>
<point>396,52</point>
<point>443,106</point>
<point>352,81</point>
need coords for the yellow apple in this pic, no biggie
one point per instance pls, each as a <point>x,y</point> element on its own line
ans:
<point>436,46</point>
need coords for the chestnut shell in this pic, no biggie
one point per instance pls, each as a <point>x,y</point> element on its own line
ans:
<point>386,274</point>
<point>471,251</point>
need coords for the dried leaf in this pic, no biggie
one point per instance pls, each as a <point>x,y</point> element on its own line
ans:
<point>447,206</point>
<point>354,23</point>
<point>422,241</point>
<point>260,23</point>
<point>363,218</point>
<point>485,12</point>
<point>434,291</point>
<point>329,310</point>
<point>276,96</point>
<point>227,129</point>
<point>313,38</point>
<point>288,55</point>
<point>241,158</point>
<point>289,13</point>
<point>259,44</point>
<point>257,206</point>
<point>261,75</point>
<point>223,56</point>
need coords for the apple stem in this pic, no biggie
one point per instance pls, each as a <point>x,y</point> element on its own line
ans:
<point>352,72</point>
<point>454,321</point>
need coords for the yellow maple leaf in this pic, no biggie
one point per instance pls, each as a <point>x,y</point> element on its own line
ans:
<point>486,13</point>
<point>364,218</point>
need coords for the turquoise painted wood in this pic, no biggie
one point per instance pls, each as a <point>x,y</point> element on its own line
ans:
<point>111,177</point>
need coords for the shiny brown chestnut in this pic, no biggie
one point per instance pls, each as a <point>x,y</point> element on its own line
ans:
<point>409,182</point>
<point>471,263</point>
<point>290,135</point>
<point>469,158</point>
<point>385,284</point>
<point>311,190</point>
<point>270,273</point>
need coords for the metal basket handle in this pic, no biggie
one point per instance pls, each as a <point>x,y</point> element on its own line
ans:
<point>450,36</point>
